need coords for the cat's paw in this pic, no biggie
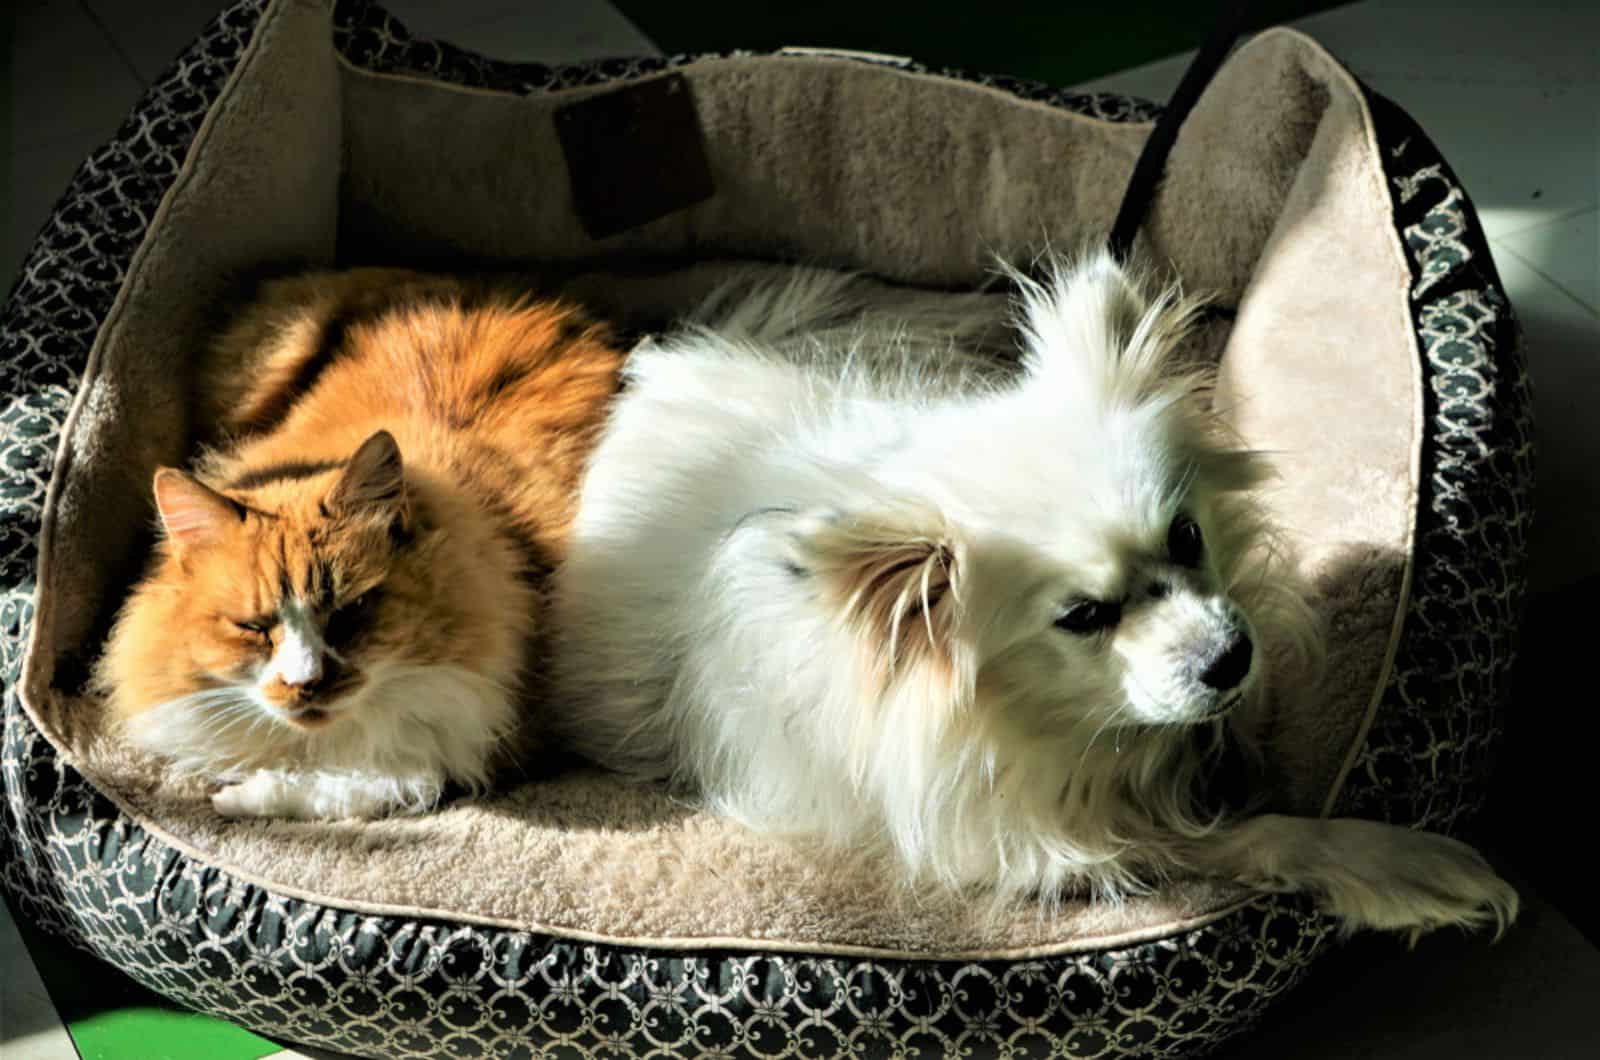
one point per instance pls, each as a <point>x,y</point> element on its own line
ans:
<point>262,794</point>
<point>327,795</point>
<point>1415,882</point>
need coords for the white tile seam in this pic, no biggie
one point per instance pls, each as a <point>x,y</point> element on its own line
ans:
<point>1553,219</point>
<point>622,16</point>
<point>51,1041</point>
<point>1500,248</point>
<point>111,42</point>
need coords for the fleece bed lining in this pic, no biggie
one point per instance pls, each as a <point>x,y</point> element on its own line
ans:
<point>584,854</point>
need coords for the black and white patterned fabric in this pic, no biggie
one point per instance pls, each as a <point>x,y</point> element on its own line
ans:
<point>1428,756</point>
<point>392,987</point>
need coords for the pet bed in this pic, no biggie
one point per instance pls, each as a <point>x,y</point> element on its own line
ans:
<point>1370,348</point>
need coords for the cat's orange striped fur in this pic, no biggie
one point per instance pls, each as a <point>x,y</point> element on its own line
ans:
<point>345,609</point>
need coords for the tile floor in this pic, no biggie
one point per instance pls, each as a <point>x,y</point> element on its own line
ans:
<point>1511,94</point>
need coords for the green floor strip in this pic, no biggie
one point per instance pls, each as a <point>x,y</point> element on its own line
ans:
<point>164,1033</point>
<point>111,1017</point>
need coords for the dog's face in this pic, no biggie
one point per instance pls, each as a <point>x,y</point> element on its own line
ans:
<point>1133,626</point>
<point>1182,650</point>
<point>1071,566</point>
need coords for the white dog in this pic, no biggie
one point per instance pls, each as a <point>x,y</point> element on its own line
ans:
<point>847,580</point>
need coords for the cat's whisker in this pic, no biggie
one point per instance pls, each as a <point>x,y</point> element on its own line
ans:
<point>248,713</point>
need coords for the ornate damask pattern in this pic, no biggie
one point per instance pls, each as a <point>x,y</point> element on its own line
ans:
<point>56,305</point>
<point>395,987</point>
<point>391,987</point>
<point>1428,756</point>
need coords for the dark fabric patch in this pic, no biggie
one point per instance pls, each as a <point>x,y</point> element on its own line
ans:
<point>634,154</point>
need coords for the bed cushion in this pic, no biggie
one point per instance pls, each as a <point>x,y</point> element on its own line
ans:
<point>1372,352</point>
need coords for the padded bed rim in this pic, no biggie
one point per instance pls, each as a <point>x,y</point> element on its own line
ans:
<point>36,682</point>
<point>41,788</point>
<point>36,686</point>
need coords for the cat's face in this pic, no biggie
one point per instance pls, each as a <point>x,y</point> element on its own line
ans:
<point>289,608</point>
<point>314,605</point>
<point>318,613</point>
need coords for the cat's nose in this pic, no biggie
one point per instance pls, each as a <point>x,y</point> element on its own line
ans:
<point>306,681</point>
<point>292,685</point>
<point>291,695</point>
<point>299,662</point>
<point>327,671</point>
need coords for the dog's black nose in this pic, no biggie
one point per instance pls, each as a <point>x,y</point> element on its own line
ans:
<point>1229,668</point>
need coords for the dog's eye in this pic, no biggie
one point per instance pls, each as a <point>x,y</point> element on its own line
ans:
<point>1184,544</point>
<point>1089,616</point>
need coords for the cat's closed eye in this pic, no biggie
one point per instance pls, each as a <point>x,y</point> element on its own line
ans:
<point>259,627</point>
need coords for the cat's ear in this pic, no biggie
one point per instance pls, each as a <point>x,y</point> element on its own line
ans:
<point>193,513</point>
<point>373,483</point>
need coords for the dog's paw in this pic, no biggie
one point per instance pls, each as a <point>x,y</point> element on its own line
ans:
<point>1394,879</point>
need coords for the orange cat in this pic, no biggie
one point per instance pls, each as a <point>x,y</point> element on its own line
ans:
<point>345,607</point>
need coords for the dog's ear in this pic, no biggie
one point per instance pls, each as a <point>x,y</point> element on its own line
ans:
<point>1095,329</point>
<point>893,577</point>
<point>1092,305</point>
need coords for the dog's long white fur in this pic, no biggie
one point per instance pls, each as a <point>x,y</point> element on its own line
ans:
<point>822,573</point>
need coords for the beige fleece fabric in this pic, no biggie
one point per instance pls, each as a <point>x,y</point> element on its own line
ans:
<point>1274,200</point>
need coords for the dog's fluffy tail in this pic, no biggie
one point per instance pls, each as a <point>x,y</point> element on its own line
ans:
<point>778,308</point>
<point>809,313</point>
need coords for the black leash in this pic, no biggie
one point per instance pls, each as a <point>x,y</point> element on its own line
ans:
<point>1151,166</point>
